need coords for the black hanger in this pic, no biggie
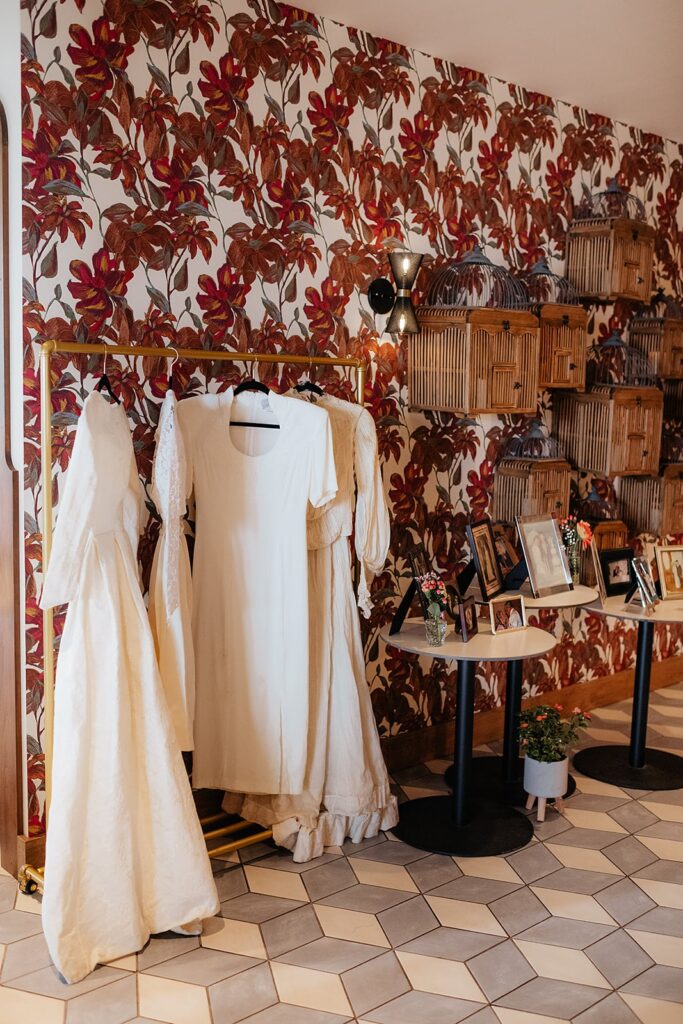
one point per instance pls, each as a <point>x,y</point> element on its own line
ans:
<point>308,385</point>
<point>104,384</point>
<point>251,385</point>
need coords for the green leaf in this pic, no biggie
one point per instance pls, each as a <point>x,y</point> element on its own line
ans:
<point>59,187</point>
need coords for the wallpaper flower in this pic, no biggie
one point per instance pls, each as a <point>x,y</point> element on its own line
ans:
<point>231,174</point>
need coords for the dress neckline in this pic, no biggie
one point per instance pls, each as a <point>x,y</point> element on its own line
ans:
<point>278,407</point>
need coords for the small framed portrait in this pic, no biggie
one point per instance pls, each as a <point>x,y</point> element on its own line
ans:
<point>670,570</point>
<point>507,614</point>
<point>483,547</point>
<point>617,571</point>
<point>597,569</point>
<point>505,549</point>
<point>419,566</point>
<point>545,555</point>
<point>645,581</point>
<point>466,625</point>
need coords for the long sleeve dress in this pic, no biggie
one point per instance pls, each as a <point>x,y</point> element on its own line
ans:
<point>125,854</point>
<point>346,789</point>
<point>170,588</point>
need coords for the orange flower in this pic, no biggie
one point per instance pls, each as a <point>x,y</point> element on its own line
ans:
<point>524,725</point>
<point>541,718</point>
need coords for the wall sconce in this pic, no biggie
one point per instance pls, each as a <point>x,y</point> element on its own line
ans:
<point>384,298</point>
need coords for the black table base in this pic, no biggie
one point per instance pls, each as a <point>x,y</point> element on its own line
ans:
<point>491,830</point>
<point>635,766</point>
<point>661,770</point>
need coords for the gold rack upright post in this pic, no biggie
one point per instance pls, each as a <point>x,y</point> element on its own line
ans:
<point>30,877</point>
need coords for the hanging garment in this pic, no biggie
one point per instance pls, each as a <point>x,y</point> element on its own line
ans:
<point>170,588</point>
<point>125,854</point>
<point>346,791</point>
<point>252,489</point>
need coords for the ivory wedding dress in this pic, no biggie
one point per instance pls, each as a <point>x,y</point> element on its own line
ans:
<point>125,855</point>
<point>346,789</point>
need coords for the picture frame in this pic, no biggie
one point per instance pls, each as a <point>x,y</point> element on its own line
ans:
<point>545,555</point>
<point>645,580</point>
<point>617,570</point>
<point>670,570</point>
<point>597,568</point>
<point>506,553</point>
<point>466,623</point>
<point>507,613</point>
<point>418,560</point>
<point>483,547</point>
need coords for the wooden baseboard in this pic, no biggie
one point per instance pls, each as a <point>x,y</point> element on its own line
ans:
<point>411,748</point>
<point>31,850</point>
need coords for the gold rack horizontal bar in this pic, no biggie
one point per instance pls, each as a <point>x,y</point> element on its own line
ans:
<point>239,844</point>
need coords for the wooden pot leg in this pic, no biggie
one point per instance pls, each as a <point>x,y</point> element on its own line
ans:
<point>540,814</point>
<point>530,801</point>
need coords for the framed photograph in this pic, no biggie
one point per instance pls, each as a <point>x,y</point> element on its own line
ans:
<point>419,566</point>
<point>617,570</point>
<point>597,568</point>
<point>507,614</point>
<point>545,555</point>
<point>466,625</point>
<point>483,547</point>
<point>505,549</point>
<point>645,580</point>
<point>670,570</point>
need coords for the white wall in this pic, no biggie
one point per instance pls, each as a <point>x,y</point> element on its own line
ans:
<point>10,96</point>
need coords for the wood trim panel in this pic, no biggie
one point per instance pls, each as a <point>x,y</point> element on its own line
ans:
<point>408,749</point>
<point>11,703</point>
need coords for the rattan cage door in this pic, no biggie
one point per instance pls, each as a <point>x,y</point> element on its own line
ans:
<point>636,431</point>
<point>662,342</point>
<point>633,259</point>
<point>563,345</point>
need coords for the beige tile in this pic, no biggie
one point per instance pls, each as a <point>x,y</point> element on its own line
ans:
<point>665,849</point>
<point>666,950</point>
<point>171,1001</point>
<point>316,990</point>
<point>673,693</point>
<point>17,1007</point>
<point>573,905</point>
<point>593,819</point>
<point>506,1016</point>
<point>270,882</point>
<point>125,963</point>
<point>653,1011</point>
<point>585,860</point>
<point>608,735</point>
<point>441,977</point>
<point>233,937</point>
<point>561,964</point>
<point>29,904</point>
<point>610,714</point>
<point>596,788</point>
<point>387,876</point>
<point>472,917</point>
<point>672,731</point>
<point>417,792</point>
<point>667,812</point>
<point>669,711</point>
<point>488,867</point>
<point>351,925</point>
<point>665,894</point>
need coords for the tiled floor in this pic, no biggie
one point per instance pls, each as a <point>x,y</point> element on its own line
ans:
<point>584,925</point>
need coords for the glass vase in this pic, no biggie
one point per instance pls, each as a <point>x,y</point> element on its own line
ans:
<point>573,549</point>
<point>435,631</point>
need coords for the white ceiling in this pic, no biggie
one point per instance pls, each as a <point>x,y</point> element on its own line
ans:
<point>621,58</point>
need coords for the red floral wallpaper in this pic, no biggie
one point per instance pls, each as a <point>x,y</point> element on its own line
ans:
<point>228,173</point>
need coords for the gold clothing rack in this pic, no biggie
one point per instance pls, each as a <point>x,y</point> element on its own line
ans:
<point>30,877</point>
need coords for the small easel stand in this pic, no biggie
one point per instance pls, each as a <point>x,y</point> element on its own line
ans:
<point>558,803</point>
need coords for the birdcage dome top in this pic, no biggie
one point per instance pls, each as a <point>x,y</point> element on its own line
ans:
<point>544,286</point>
<point>534,443</point>
<point>617,363</point>
<point>663,307</point>
<point>476,282</point>
<point>615,201</point>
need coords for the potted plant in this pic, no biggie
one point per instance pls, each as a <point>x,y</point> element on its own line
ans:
<point>544,737</point>
<point>436,600</point>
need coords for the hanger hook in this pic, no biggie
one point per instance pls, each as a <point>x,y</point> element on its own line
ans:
<point>104,368</point>
<point>176,357</point>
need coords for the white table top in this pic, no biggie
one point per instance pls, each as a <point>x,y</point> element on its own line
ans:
<point>666,611</point>
<point>575,598</point>
<point>485,646</point>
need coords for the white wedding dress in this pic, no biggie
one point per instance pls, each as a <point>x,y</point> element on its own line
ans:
<point>346,789</point>
<point>125,854</point>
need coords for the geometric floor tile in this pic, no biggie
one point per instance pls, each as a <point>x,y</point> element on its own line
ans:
<point>562,964</point>
<point>585,860</point>
<point>508,1016</point>
<point>375,982</point>
<point>440,977</point>
<point>561,999</point>
<point>488,867</point>
<point>387,876</point>
<point>331,955</point>
<point>451,944</point>
<point>422,1008</point>
<point>233,937</point>
<point>663,894</point>
<point>663,949</point>
<point>653,1011</point>
<point>316,990</point>
<point>612,1010</point>
<point>619,957</point>
<point>172,1001</point>
<point>353,925</point>
<point>500,970</point>
<point>573,905</point>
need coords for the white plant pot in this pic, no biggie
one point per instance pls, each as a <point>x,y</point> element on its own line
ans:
<point>548,779</point>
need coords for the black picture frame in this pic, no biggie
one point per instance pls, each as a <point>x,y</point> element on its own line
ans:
<point>466,622</point>
<point>418,560</point>
<point>483,547</point>
<point>621,558</point>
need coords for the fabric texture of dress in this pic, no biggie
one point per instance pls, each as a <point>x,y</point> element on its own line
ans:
<point>252,491</point>
<point>170,588</point>
<point>125,854</point>
<point>346,791</point>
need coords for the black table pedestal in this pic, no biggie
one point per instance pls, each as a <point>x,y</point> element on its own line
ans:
<point>501,778</point>
<point>463,824</point>
<point>635,766</point>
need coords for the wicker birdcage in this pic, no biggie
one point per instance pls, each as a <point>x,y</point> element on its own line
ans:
<point>563,335</point>
<point>658,334</point>
<point>654,505</point>
<point>532,478</point>
<point>612,533</point>
<point>477,351</point>
<point>673,400</point>
<point>610,247</point>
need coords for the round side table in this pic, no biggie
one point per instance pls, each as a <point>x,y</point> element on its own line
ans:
<point>636,766</point>
<point>465,824</point>
<point>502,777</point>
